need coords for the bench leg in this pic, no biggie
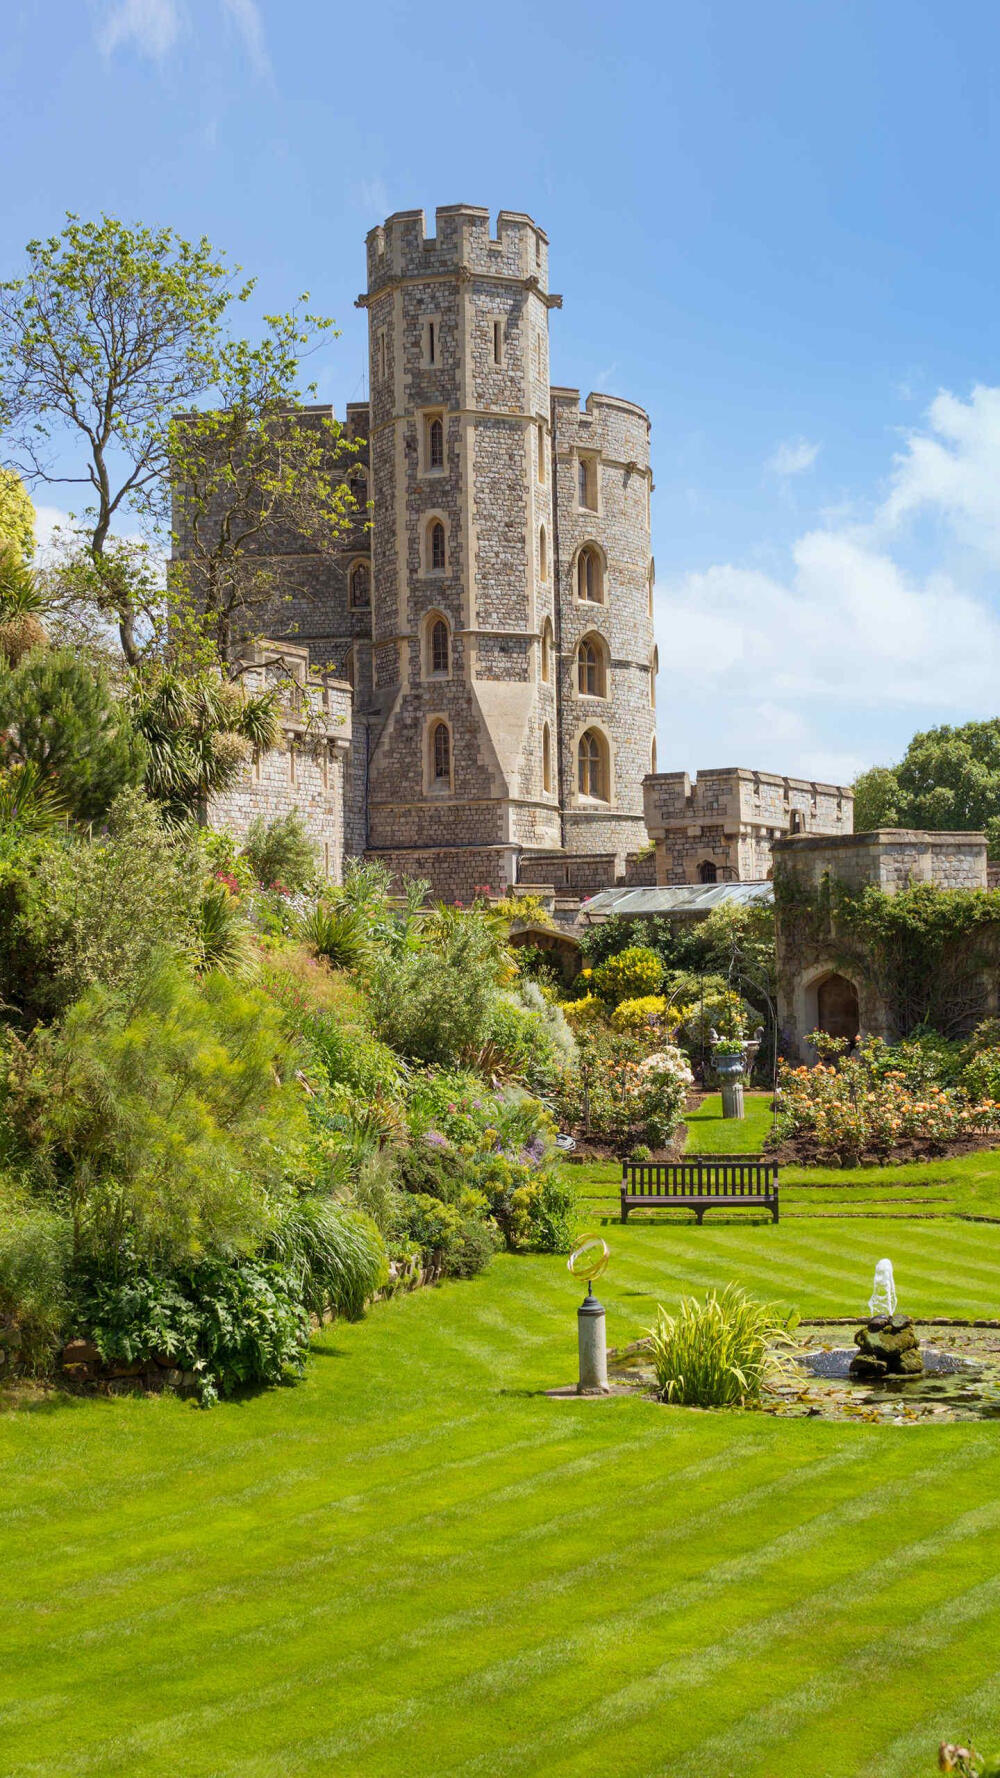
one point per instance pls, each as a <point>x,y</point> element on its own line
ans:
<point>700,1214</point>
<point>624,1213</point>
<point>774,1212</point>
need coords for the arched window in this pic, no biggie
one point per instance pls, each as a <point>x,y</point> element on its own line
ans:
<point>437,550</point>
<point>435,443</point>
<point>543,554</point>
<point>652,755</point>
<point>360,586</point>
<point>592,765</point>
<point>440,756</point>
<point>590,668</point>
<point>589,577</point>
<point>546,759</point>
<point>439,650</point>
<point>546,652</point>
<point>708,872</point>
<point>654,668</point>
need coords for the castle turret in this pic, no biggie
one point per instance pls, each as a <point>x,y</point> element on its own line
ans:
<point>463,558</point>
<point>607,659</point>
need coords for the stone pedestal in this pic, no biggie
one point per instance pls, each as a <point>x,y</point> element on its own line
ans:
<point>593,1346</point>
<point>732,1098</point>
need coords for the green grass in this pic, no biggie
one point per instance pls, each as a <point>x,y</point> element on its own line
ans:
<point>416,1563</point>
<point>708,1132</point>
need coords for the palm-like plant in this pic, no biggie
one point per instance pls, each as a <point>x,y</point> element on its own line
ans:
<point>336,933</point>
<point>223,941</point>
<point>20,603</point>
<point>29,802</point>
<point>200,732</point>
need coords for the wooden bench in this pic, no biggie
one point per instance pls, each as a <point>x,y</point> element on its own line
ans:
<point>703,1182</point>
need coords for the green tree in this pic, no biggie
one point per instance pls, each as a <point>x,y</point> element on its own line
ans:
<point>60,715</point>
<point>255,467</point>
<point>948,779</point>
<point>17,515</point>
<point>876,799</point>
<point>109,331</point>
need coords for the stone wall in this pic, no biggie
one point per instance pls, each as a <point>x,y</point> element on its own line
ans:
<point>889,859</point>
<point>612,437</point>
<point>722,826</point>
<point>307,771</point>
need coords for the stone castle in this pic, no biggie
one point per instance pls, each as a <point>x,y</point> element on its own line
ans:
<point>485,635</point>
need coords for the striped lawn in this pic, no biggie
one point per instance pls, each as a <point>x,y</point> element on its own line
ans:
<point>416,1563</point>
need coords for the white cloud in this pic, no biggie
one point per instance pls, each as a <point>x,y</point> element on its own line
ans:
<point>152,26</point>
<point>245,15</point>
<point>953,469</point>
<point>372,197</point>
<point>793,457</point>
<point>48,520</point>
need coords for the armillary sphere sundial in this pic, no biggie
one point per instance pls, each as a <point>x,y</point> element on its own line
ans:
<point>588,1261</point>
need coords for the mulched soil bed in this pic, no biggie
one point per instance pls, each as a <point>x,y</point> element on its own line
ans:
<point>805,1151</point>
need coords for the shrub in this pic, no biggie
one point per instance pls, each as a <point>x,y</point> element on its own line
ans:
<point>336,1256</point>
<point>980,1078</point>
<point>632,1015</point>
<point>162,1117</point>
<point>623,1096</point>
<point>280,851</point>
<point>719,1353</point>
<point>35,1245</point>
<point>233,1325</point>
<point>587,1010</point>
<point>436,1004</point>
<point>632,974</point>
<point>452,1238</point>
<point>60,715</point>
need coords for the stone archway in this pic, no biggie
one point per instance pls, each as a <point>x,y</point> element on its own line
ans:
<point>837,1010</point>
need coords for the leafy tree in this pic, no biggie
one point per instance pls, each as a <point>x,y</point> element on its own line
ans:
<point>17,516</point>
<point>948,779</point>
<point>59,715</point>
<point>876,799</point>
<point>110,330</point>
<point>252,469</point>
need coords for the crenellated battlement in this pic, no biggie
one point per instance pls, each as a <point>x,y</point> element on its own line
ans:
<point>400,247</point>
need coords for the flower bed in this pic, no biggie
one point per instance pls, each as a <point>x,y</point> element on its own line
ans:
<point>856,1108</point>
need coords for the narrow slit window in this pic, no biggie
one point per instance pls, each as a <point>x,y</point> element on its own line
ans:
<point>540,445</point>
<point>498,342</point>
<point>431,343</point>
<point>439,647</point>
<point>437,545</point>
<point>543,554</point>
<point>435,443</point>
<point>546,759</point>
<point>441,753</point>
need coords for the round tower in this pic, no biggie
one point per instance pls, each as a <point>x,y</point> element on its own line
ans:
<point>464,765</point>
<point>607,657</point>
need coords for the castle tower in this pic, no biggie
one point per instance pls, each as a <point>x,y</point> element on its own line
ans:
<point>463,770</point>
<point>607,658</point>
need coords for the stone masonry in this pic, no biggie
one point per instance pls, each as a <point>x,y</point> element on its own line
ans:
<point>721,827</point>
<point>812,983</point>
<point>307,772</point>
<point>457,605</point>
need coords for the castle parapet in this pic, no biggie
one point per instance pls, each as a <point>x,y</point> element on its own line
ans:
<point>400,247</point>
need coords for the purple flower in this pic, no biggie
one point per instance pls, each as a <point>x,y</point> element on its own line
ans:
<point>435,1138</point>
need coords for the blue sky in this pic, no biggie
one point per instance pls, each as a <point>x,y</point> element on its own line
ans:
<point>775,226</point>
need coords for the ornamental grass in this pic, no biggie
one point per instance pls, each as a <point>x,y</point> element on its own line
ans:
<point>719,1353</point>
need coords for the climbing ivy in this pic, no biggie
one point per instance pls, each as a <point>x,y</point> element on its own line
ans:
<point>932,954</point>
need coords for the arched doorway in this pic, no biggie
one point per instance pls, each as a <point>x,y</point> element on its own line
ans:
<point>837,1007</point>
